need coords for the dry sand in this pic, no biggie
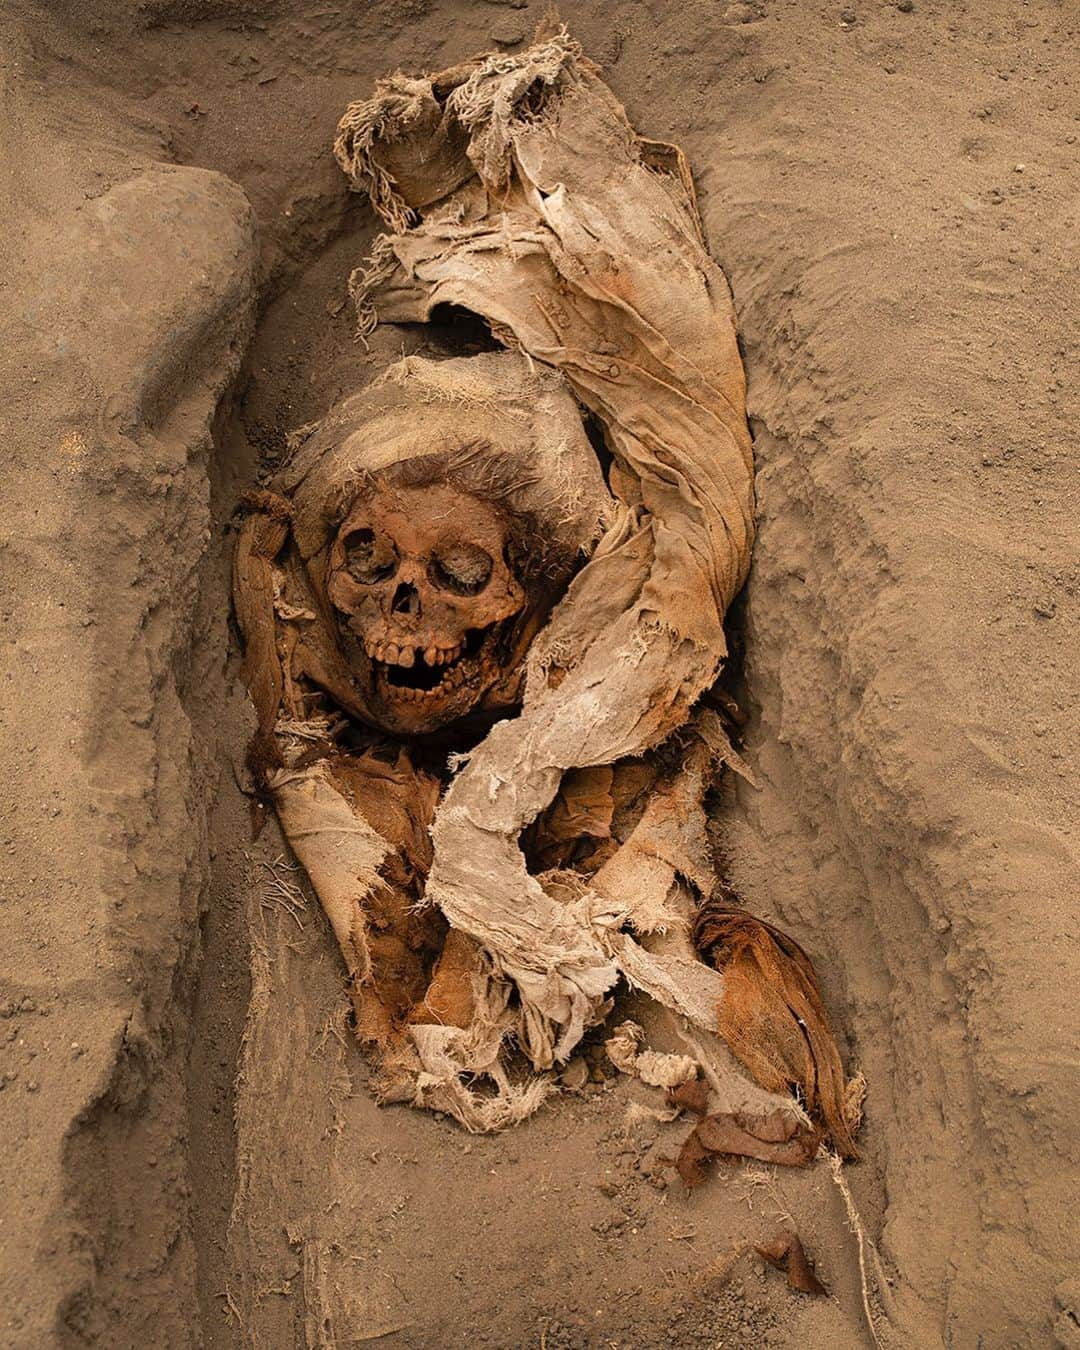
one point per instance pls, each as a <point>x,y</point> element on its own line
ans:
<point>891,189</point>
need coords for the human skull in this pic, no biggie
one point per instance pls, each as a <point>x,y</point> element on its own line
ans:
<point>428,607</point>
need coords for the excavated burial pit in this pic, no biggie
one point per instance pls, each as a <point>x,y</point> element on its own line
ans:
<point>356,1216</point>
<point>907,829</point>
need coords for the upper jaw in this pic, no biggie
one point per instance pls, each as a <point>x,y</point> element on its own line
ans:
<point>407,653</point>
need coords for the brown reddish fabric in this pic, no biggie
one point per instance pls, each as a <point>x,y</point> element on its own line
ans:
<point>786,1253</point>
<point>403,940</point>
<point>692,1096</point>
<point>771,1138</point>
<point>771,1013</point>
<point>262,537</point>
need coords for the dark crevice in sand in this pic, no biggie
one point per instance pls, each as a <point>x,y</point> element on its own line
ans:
<point>222,987</point>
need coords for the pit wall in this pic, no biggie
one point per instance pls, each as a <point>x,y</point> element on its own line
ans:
<point>131,304</point>
<point>901,665</point>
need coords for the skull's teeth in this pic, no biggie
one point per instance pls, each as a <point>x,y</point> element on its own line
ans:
<point>390,654</point>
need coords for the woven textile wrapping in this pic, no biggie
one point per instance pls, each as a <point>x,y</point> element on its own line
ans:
<point>515,188</point>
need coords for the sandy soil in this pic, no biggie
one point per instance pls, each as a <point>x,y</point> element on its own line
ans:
<point>191,1155</point>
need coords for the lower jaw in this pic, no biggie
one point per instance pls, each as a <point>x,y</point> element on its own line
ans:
<point>421,719</point>
<point>402,710</point>
<point>393,696</point>
<point>427,710</point>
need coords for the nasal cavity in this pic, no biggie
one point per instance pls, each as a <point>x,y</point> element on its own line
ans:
<point>406,600</point>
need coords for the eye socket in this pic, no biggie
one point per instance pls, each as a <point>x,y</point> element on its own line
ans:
<point>368,559</point>
<point>464,569</point>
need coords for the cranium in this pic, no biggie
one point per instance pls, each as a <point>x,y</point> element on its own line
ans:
<point>435,517</point>
<point>428,605</point>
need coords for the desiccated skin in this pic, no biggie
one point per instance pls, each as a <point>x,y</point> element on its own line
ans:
<point>428,607</point>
